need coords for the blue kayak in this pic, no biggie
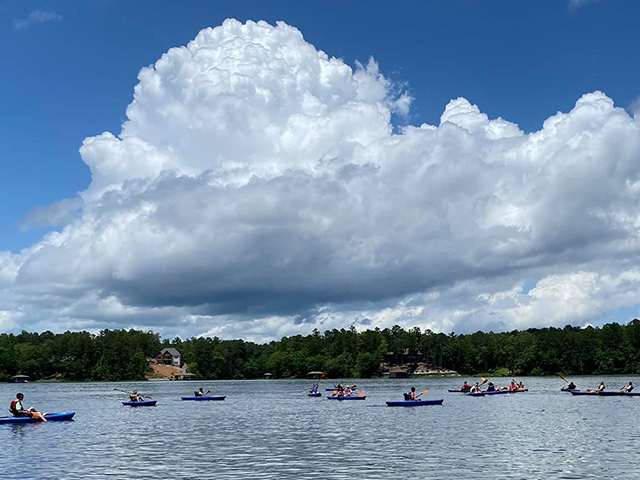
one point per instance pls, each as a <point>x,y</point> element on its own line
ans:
<point>204,398</point>
<point>564,389</point>
<point>458,391</point>
<point>607,394</point>
<point>143,403</point>
<point>317,394</point>
<point>495,392</point>
<point>347,397</point>
<point>414,403</point>
<point>479,394</point>
<point>51,417</point>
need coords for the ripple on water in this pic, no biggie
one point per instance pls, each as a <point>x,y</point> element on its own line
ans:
<point>278,432</point>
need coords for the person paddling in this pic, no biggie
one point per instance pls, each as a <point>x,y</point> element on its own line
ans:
<point>314,389</point>
<point>465,387</point>
<point>475,388</point>
<point>601,387</point>
<point>491,387</point>
<point>627,388</point>
<point>201,393</point>
<point>135,397</point>
<point>16,408</point>
<point>412,394</point>
<point>571,386</point>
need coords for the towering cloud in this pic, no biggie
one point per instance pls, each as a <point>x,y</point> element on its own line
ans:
<point>258,189</point>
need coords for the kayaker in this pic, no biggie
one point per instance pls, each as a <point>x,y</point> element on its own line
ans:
<point>201,393</point>
<point>314,388</point>
<point>17,409</point>
<point>627,388</point>
<point>347,390</point>
<point>475,388</point>
<point>513,386</point>
<point>521,386</point>
<point>135,397</point>
<point>601,387</point>
<point>465,387</point>
<point>491,387</point>
<point>412,393</point>
<point>571,386</point>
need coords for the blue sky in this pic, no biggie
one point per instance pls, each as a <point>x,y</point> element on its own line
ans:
<point>69,78</point>
<point>208,219</point>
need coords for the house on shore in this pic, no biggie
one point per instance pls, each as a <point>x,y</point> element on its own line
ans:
<point>169,356</point>
<point>316,375</point>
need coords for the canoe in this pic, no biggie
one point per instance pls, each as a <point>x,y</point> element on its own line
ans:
<point>414,403</point>
<point>317,394</point>
<point>607,394</point>
<point>564,389</point>
<point>347,397</point>
<point>518,391</point>
<point>51,417</point>
<point>201,399</point>
<point>458,391</point>
<point>144,403</point>
<point>479,394</point>
<point>495,392</point>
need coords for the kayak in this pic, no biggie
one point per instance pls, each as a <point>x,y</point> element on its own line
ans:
<point>200,399</point>
<point>317,394</point>
<point>479,394</point>
<point>51,417</point>
<point>495,392</point>
<point>607,394</point>
<point>143,403</point>
<point>346,397</point>
<point>458,391</point>
<point>414,403</point>
<point>518,391</point>
<point>564,389</point>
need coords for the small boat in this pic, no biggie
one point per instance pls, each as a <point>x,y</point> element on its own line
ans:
<point>414,403</point>
<point>477,394</point>
<point>204,398</point>
<point>347,397</point>
<point>518,390</point>
<point>317,394</point>
<point>565,389</point>
<point>458,391</point>
<point>495,392</point>
<point>51,417</point>
<point>143,403</point>
<point>607,394</point>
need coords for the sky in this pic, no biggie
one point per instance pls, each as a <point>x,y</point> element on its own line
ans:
<point>259,169</point>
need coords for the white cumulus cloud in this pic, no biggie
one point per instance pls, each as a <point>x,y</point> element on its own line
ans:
<point>258,188</point>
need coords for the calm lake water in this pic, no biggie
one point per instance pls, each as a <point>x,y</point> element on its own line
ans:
<point>270,429</point>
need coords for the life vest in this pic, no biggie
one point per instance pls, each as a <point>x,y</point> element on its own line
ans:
<point>412,395</point>
<point>15,407</point>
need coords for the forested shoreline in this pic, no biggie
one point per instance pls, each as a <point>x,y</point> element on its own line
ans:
<point>114,355</point>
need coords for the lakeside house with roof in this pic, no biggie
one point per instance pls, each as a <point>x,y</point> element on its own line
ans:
<point>169,356</point>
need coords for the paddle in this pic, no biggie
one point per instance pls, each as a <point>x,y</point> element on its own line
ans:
<point>141,396</point>
<point>38,415</point>
<point>423,393</point>
<point>623,389</point>
<point>566,381</point>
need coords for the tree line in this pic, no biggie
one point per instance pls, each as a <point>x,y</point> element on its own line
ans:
<point>114,355</point>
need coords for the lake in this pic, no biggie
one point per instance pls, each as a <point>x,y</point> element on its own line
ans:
<point>270,429</point>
